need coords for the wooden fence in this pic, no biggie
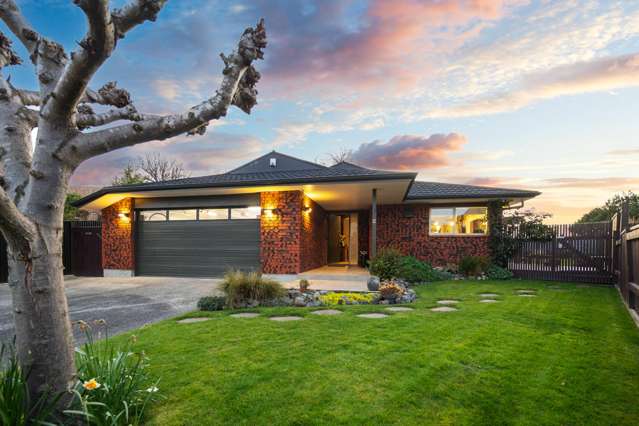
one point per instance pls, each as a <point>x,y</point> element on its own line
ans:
<point>626,259</point>
<point>576,252</point>
<point>81,250</point>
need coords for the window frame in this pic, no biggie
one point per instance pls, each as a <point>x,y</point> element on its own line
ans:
<point>167,215</point>
<point>455,233</point>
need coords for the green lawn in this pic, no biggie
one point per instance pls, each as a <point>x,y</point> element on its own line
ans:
<point>566,357</point>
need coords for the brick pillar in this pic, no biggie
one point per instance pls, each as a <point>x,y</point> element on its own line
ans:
<point>280,232</point>
<point>118,254</point>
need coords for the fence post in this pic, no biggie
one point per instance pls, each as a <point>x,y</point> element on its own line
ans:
<point>554,251</point>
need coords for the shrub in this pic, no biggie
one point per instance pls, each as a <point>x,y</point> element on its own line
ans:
<point>240,287</point>
<point>16,406</point>
<point>473,265</point>
<point>211,303</point>
<point>386,264</point>
<point>414,270</point>
<point>304,285</point>
<point>391,291</point>
<point>346,298</point>
<point>495,272</point>
<point>114,386</point>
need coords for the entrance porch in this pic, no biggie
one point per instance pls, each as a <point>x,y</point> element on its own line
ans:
<point>330,278</point>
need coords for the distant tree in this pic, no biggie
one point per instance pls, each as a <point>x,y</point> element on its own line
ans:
<point>612,206</point>
<point>129,176</point>
<point>155,168</point>
<point>70,212</point>
<point>528,223</point>
<point>332,158</point>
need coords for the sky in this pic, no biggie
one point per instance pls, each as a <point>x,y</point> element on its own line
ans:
<point>540,95</point>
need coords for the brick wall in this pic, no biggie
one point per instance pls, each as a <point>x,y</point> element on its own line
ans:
<point>406,228</point>
<point>117,237</point>
<point>314,238</point>
<point>280,232</point>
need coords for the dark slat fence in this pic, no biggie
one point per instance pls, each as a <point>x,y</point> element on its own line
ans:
<point>576,252</point>
<point>81,250</point>
<point>626,259</point>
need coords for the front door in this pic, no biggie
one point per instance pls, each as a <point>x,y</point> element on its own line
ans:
<point>342,239</point>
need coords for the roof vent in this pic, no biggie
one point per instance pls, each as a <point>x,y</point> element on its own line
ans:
<point>272,162</point>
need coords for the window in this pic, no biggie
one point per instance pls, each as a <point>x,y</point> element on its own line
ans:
<point>183,214</point>
<point>246,213</point>
<point>214,214</point>
<point>459,221</point>
<point>152,215</point>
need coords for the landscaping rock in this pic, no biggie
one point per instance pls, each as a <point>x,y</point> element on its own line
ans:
<point>488,294</point>
<point>488,301</point>
<point>444,309</point>
<point>327,312</point>
<point>373,283</point>
<point>399,309</point>
<point>192,320</point>
<point>286,318</point>
<point>245,315</point>
<point>526,295</point>
<point>448,302</point>
<point>372,315</point>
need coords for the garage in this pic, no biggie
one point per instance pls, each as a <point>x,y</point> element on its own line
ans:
<point>197,242</point>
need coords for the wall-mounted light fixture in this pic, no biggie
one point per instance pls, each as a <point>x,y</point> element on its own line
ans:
<point>307,209</point>
<point>124,215</point>
<point>270,212</point>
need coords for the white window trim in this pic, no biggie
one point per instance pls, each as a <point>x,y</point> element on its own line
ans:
<point>455,234</point>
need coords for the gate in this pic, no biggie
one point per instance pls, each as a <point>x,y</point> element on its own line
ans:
<point>81,250</point>
<point>576,252</point>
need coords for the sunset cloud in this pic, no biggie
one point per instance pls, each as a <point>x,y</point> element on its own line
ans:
<point>583,77</point>
<point>409,152</point>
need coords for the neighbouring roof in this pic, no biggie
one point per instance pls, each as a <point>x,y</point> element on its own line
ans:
<point>438,190</point>
<point>290,170</point>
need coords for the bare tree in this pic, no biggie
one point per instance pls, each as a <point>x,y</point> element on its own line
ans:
<point>155,168</point>
<point>34,185</point>
<point>340,156</point>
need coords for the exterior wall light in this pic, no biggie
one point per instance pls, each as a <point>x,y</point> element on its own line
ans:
<point>270,212</point>
<point>124,215</point>
<point>307,209</point>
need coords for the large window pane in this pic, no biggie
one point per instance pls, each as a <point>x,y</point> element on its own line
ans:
<point>152,215</point>
<point>442,221</point>
<point>214,214</point>
<point>246,213</point>
<point>183,214</point>
<point>471,220</point>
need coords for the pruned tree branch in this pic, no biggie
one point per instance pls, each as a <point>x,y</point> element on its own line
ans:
<point>237,88</point>
<point>91,119</point>
<point>109,94</point>
<point>14,225</point>
<point>11,15</point>
<point>94,49</point>
<point>135,13</point>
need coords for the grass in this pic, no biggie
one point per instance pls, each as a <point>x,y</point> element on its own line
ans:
<point>568,356</point>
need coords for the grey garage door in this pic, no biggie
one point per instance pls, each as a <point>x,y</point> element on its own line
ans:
<point>197,248</point>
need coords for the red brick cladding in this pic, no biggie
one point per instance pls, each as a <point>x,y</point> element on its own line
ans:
<point>314,239</point>
<point>291,240</point>
<point>117,236</point>
<point>406,228</point>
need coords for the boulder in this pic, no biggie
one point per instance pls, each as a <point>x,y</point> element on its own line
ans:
<point>373,283</point>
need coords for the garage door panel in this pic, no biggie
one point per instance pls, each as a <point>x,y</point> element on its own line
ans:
<point>197,248</point>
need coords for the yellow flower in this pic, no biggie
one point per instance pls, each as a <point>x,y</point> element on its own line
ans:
<point>91,385</point>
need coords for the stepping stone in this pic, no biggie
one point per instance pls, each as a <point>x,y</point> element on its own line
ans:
<point>372,315</point>
<point>286,318</point>
<point>245,315</point>
<point>526,295</point>
<point>399,309</point>
<point>526,291</point>
<point>488,294</point>
<point>488,301</point>
<point>448,302</point>
<point>192,320</point>
<point>327,312</point>
<point>443,309</point>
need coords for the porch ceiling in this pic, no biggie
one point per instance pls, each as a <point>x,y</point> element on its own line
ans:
<point>334,196</point>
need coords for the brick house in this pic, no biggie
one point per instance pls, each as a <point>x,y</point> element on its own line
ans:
<point>283,215</point>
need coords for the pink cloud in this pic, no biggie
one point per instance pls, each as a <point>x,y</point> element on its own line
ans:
<point>408,152</point>
<point>389,50</point>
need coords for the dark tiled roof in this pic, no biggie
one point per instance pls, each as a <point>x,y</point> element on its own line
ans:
<point>283,163</point>
<point>438,190</point>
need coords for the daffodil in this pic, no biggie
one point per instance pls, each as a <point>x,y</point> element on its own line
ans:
<point>91,385</point>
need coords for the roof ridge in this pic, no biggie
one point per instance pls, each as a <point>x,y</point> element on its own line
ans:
<point>271,153</point>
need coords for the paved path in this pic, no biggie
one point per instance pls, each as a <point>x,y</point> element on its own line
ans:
<point>125,303</point>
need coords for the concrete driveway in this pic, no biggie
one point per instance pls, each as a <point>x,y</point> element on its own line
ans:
<point>125,303</point>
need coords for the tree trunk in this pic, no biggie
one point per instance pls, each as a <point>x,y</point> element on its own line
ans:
<point>44,337</point>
